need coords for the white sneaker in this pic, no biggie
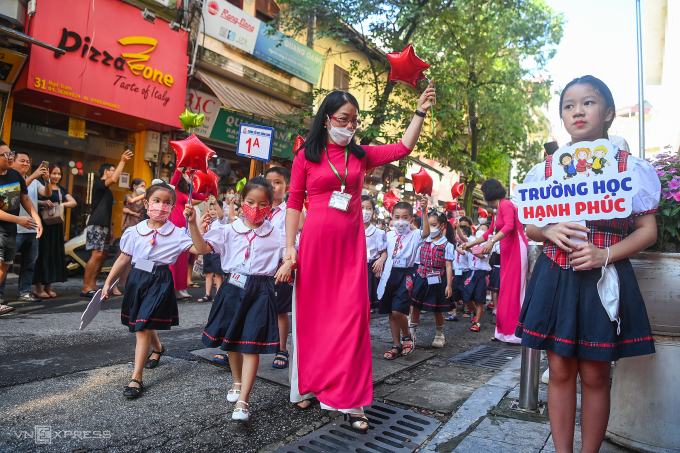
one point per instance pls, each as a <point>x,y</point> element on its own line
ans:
<point>546,376</point>
<point>439,340</point>
<point>240,414</point>
<point>234,393</point>
<point>182,294</point>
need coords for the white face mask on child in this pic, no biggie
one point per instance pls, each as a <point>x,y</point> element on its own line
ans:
<point>434,232</point>
<point>402,227</point>
<point>367,215</point>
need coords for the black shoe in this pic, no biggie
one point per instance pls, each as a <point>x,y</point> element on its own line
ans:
<point>153,363</point>
<point>356,422</point>
<point>132,393</point>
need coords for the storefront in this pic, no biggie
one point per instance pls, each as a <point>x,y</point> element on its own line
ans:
<point>121,81</point>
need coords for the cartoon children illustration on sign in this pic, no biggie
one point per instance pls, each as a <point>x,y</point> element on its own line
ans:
<point>598,160</point>
<point>581,157</point>
<point>567,162</point>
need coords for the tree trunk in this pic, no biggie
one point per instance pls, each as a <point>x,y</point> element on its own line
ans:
<point>311,26</point>
<point>474,138</point>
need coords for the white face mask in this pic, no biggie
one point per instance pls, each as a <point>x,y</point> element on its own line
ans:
<point>434,232</point>
<point>479,233</point>
<point>402,227</point>
<point>340,135</point>
<point>140,190</point>
<point>230,196</point>
<point>367,215</point>
<point>482,220</point>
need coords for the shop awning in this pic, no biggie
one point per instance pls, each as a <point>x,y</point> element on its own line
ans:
<point>25,38</point>
<point>236,100</point>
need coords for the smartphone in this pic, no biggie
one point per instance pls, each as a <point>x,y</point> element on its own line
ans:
<point>45,164</point>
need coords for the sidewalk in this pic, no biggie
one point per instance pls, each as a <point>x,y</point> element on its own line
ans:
<point>489,421</point>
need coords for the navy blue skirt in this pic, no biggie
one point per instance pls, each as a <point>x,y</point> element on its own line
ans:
<point>494,280</point>
<point>475,286</point>
<point>373,282</point>
<point>244,320</point>
<point>149,301</point>
<point>562,313</point>
<point>283,294</point>
<point>430,297</point>
<point>212,264</point>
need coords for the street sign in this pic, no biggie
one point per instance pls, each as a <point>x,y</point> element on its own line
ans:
<point>255,142</point>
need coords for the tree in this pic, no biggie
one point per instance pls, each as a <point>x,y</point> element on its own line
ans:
<point>487,57</point>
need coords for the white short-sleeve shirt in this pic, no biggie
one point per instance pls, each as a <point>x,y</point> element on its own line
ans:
<point>476,263</point>
<point>265,246</point>
<point>406,254</point>
<point>376,242</point>
<point>278,216</point>
<point>449,250</point>
<point>169,242</point>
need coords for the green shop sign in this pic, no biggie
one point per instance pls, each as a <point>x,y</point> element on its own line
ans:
<point>227,124</point>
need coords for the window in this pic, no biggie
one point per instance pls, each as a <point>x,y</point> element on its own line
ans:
<point>266,10</point>
<point>340,79</point>
<point>237,3</point>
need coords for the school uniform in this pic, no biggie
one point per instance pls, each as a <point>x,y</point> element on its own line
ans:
<point>283,291</point>
<point>461,272</point>
<point>430,279</point>
<point>562,311</point>
<point>149,301</point>
<point>243,319</point>
<point>396,283</point>
<point>478,279</point>
<point>495,262</point>
<point>211,261</point>
<point>376,243</point>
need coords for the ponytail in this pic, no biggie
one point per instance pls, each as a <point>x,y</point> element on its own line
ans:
<point>450,232</point>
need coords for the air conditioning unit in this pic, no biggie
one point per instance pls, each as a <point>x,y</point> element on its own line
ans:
<point>152,145</point>
<point>14,12</point>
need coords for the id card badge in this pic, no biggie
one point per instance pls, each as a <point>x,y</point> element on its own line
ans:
<point>433,279</point>
<point>458,272</point>
<point>146,265</point>
<point>238,280</point>
<point>399,263</point>
<point>340,201</point>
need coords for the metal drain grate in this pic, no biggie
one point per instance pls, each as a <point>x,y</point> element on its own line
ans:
<point>392,431</point>
<point>486,357</point>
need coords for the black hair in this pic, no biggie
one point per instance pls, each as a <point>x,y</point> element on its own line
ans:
<point>465,219</point>
<point>565,155</point>
<point>16,153</point>
<point>136,182</point>
<point>281,171</point>
<point>259,182</point>
<point>316,140</point>
<point>602,89</point>
<point>493,190</point>
<point>403,205</point>
<point>160,186</point>
<point>105,167</point>
<point>2,143</point>
<point>467,231</point>
<point>368,198</point>
<point>417,221</point>
<point>450,232</point>
<point>182,184</point>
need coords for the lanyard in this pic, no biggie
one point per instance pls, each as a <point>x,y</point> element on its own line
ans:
<point>398,245</point>
<point>250,240</point>
<point>342,181</point>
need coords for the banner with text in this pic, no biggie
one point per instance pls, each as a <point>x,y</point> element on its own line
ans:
<point>585,185</point>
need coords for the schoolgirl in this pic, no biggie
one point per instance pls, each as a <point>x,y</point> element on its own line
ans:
<point>149,302</point>
<point>212,268</point>
<point>376,250</point>
<point>495,277</point>
<point>461,271</point>
<point>243,319</point>
<point>474,294</point>
<point>432,288</point>
<point>562,311</point>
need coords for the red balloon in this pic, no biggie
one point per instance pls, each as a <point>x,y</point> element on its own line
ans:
<point>422,182</point>
<point>307,203</point>
<point>299,141</point>
<point>407,67</point>
<point>451,206</point>
<point>389,200</point>
<point>205,183</point>
<point>192,153</point>
<point>483,213</point>
<point>457,190</point>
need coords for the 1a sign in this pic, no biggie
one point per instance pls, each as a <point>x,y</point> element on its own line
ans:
<point>255,142</point>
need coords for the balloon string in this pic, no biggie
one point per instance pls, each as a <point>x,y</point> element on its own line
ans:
<point>433,121</point>
<point>191,192</point>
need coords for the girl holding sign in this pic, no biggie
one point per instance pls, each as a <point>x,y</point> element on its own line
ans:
<point>562,312</point>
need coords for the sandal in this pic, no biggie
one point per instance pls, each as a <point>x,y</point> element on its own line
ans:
<point>193,285</point>
<point>153,363</point>
<point>44,295</point>
<point>466,313</point>
<point>451,318</point>
<point>476,326</point>
<point>411,347</point>
<point>133,392</point>
<point>222,359</point>
<point>240,413</point>
<point>233,394</point>
<point>494,339</point>
<point>52,293</point>
<point>390,355</point>
<point>4,309</point>
<point>206,298</point>
<point>356,422</point>
<point>305,404</point>
<point>281,356</point>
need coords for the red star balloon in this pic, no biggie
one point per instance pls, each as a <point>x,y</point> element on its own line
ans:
<point>407,67</point>
<point>299,141</point>
<point>389,200</point>
<point>457,190</point>
<point>307,203</point>
<point>451,206</point>
<point>422,182</point>
<point>192,153</point>
<point>483,213</point>
<point>205,183</point>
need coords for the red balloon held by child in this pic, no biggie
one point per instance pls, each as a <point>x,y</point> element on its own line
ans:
<point>407,67</point>
<point>451,206</point>
<point>205,183</point>
<point>299,141</point>
<point>422,182</point>
<point>483,213</point>
<point>457,190</point>
<point>389,200</point>
<point>307,204</point>
<point>192,153</point>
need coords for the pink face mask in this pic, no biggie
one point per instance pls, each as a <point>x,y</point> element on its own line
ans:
<point>159,211</point>
<point>255,215</point>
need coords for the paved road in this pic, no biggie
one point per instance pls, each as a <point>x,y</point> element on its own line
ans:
<point>70,383</point>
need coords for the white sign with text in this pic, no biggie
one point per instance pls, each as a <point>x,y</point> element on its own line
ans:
<point>255,142</point>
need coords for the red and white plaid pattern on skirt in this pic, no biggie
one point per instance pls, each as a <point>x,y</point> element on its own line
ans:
<point>603,233</point>
<point>432,260</point>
